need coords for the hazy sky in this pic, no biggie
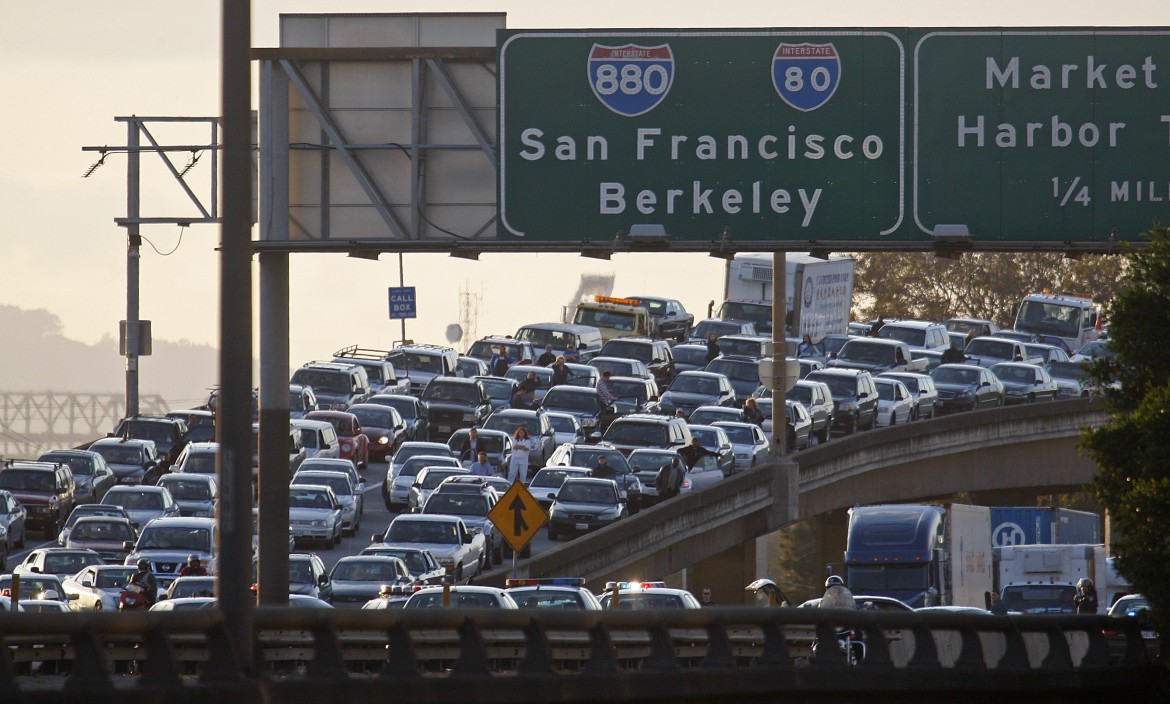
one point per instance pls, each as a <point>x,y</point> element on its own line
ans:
<point>68,68</point>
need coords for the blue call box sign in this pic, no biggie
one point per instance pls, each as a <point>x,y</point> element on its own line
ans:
<point>402,303</point>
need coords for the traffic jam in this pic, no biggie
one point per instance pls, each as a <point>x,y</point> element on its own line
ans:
<point>559,430</point>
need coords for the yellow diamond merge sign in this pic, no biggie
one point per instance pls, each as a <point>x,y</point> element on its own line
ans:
<point>517,516</point>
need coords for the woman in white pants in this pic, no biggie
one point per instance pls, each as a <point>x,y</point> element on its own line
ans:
<point>522,445</point>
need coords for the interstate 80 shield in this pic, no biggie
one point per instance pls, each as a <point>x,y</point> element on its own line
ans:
<point>806,75</point>
<point>631,80</point>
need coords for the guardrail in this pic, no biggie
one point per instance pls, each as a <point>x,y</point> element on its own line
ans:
<point>520,656</point>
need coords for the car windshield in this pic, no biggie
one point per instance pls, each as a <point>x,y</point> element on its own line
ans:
<point>483,349</point>
<point>952,375</point>
<point>539,337</point>
<point>405,362</point>
<point>641,602</point>
<point>300,571</point>
<point>70,563</point>
<point>632,350</point>
<point>695,385</point>
<point>912,383</point>
<point>131,499</point>
<point>162,433</point>
<point>296,401</point>
<point>690,355</point>
<point>911,336</point>
<point>412,466</point>
<point>616,367</point>
<point>459,393</point>
<point>17,480</point>
<point>404,406</point>
<point>200,463</point>
<point>111,578</point>
<point>101,530</point>
<point>586,456</point>
<point>434,477</point>
<point>34,583</point>
<point>739,435</point>
<point>886,391</point>
<point>740,371</point>
<point>708,437</point>
<point>458,504</point>
<point>562,424</point>
<point>635,433</point>
<point>751,348</point>
<point>374,417</point>
<point>990,348</point>
<point>642,460</point>
<point>628,390</point>
<point>365,571</point>
<point>439,533</point>
<point>1066,370</point>
<point>302,498</point>
<point>192,586</point>
<point>1016,374</point>
<point>508,424</point>
<point>704,416</point>
<point>80,466</point>
<point>586,493</point>
<point>800,394</point>
<point>839,386</point>
<point>337,482</point>
<point>175,538</point>
<point>119,454</point>
<point>543,375</point>
<point>571,399</point>
<point>187,490</point>
<point>323,380</point>
<point>497,388</point>
<point>704,329</point>
<point>551,478</point>
<point>464,600</point>
<point>93,510</point>
<point>416,561</point>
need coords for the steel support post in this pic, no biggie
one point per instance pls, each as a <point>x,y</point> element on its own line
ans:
<point>133,257</point>
<point>273,474</point>
<point>780,378</point>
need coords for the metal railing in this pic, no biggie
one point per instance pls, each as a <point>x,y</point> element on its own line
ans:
<point>519,656</point>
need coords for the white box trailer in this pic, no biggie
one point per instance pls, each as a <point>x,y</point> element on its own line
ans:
<point>1043,578</point>
<point>822,307</point>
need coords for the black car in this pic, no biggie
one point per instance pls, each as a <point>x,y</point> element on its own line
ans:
<point>170,435</point>
<point>855,397</point>
<point>413,412</point>
<point>454,403</point>
<point>693,389</point>
<point>584,504</point>
<point>966,387</point>
<point>655,354</point>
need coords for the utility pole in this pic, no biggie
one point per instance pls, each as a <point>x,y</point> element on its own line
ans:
<point>131,336</point>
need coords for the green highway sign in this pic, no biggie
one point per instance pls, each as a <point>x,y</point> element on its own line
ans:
<point>823,135</point>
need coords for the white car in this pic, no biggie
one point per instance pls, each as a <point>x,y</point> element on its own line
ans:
<point>396,486</point>
<point>166,544</point>
<point>566,428</point>
<point>747,442</point>
<point>458,550</point>
<point>895,402</point>
<point>314,514</point>
<point>921,387</point>
<point>705,473</point>
<point>97,587</point>
<point>348,495</point>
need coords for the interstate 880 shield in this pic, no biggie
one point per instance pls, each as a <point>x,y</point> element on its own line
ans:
<point>631,80</point>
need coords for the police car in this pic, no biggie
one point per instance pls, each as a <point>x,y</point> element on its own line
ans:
<point>637,596</point>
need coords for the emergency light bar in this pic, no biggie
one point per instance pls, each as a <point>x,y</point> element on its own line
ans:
<point>546,582</point>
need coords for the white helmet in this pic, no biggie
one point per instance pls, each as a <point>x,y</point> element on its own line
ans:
<point>1084,583</point>
<point>834,580</point>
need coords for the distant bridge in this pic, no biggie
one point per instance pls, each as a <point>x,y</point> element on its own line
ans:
<point>32,422</point>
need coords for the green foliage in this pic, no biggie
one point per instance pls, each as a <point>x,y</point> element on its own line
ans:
<point>1132,450</point>
<point>979,285</point>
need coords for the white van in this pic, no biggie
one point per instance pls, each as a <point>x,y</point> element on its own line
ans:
<point>318,438</point>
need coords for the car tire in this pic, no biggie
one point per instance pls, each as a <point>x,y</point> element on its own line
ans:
<point>459,574</point>
<point>23,536</point>
<point>53,528</point>
<point>851,425</point>
<point>893,418</point>
<point>552,535</point>
<point>337,538</point>
<point>97,605</point>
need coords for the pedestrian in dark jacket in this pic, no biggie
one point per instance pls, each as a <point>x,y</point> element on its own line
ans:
<point>712,347</point>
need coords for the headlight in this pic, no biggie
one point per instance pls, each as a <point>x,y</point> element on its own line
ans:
<point>964,395</point>
<point>318,524</point>
<point>447,561</point>
<point>589,422</point>
<point>610,513</point>
<point>557,512</point>
<point>383,440</point>
<point>847,406</point>
<point>469,416</point>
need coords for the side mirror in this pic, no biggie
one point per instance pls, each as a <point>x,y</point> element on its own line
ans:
<point>87,582</point>
<point>375,538</point>
<point>323,580</point>
<point>467,537</point>
<point>128,546</point>
<point>552,496</point>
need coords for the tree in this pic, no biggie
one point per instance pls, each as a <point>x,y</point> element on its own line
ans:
<point>1132,449</point>
<point>978,285</point>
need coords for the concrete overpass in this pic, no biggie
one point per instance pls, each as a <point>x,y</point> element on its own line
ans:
<point>1001,452</point>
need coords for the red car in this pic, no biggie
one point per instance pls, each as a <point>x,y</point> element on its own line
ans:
<point>355,446</point>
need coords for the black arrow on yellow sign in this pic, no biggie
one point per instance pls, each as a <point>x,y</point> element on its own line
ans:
<point>519,525</point>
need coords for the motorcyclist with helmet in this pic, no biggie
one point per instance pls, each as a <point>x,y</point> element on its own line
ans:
<point>193,568</point>
<point>144,580</point>
<point>1086,598</point>
<point>837,595</point>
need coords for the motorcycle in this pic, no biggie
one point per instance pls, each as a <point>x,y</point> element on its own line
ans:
<point>132,598</point>
<point>850,646</point>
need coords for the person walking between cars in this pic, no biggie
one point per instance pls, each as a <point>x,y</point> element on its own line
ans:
<point>547,357</point>
<point>706,599</point>
<point>471,446</point>
<point>712,348</point>
<point>694,452</point>
<point>669,480</point>
<point>1086,598</point>
<point>560,372</point>
<point>522,446</point>
<point>604,393</point>
<point>805,346</point>
<point>604,469</point>
<point>481,467</point>
<point>752,412</point>
<point>498,363</point>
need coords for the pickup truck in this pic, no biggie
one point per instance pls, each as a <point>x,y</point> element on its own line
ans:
<point>876,355</point>
<point>668,317</point>
<point>460,551</point>
<point>989,351</point>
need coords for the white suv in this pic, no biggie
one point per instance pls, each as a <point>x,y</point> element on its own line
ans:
<point>918,334</point>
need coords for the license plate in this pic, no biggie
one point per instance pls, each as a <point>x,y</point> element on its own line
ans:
<point>1148,635</point>
<point>582,526</point>
<point>444,428</point>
